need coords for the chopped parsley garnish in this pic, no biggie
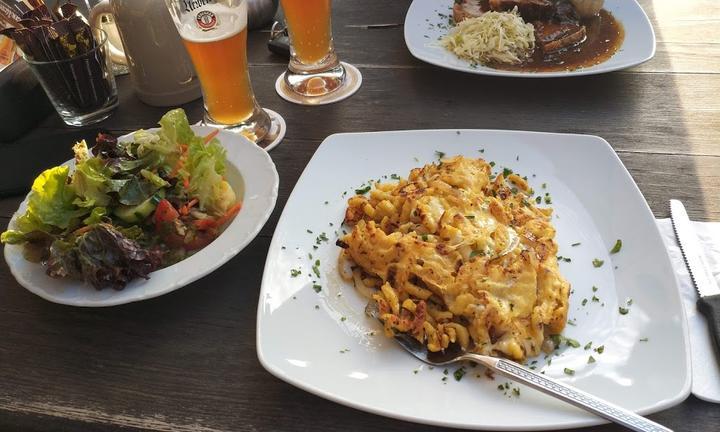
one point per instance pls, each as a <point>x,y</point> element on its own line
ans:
<point>394,176</point>
<point>321,238</point>
<point>439,154</point>
<point>588,345</point>
<point>482,150</point>
<point>470,216</point>
<point>548,200</point>
<point>459,373</point>
<point>569,371</point>
<point>584,302</point>
<point>317,288</point>
<point>316,268</point>
<point>544,186</point>
<point>507,172</point>
<point>445,372</point>
<point>644,339</point>
<point>538,199</point>
<point>617,247</point>
<point>424,237</point>
<point>594,288</point>
<point>591,359</point>
<point>576,244</point>
<point>600,349</point>
<point>363,191</point>
<point>516,392</point>
<point>343,319</point>
<point>557,340</point>
<point>572,322</point>
<point>491,163</point>
<point>595,299</point>
<point>295,272</point>
<point>623,311</point>
<point>597,263</point>
<point>501,388</point>
<point>476,253</point>
<point>572,342</point>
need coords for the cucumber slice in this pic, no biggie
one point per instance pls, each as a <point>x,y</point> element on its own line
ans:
<point>138,213</point>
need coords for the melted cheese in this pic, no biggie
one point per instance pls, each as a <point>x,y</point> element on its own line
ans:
<point>439,243</point>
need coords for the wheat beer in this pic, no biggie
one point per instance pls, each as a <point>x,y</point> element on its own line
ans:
<point>314,69</point>
<point>309,25</point>
<point>215,36</point>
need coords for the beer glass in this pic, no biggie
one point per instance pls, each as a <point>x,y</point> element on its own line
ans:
<point>314,68</point>
<point>215,36</point>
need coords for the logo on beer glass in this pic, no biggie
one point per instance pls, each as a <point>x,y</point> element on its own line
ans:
<point>206,20</point>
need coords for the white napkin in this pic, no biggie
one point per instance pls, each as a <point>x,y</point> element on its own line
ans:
<point>705,369</point>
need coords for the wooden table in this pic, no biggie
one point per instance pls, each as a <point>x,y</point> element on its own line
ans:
<point>187,361</point>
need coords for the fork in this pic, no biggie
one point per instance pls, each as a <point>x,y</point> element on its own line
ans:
<point>526,376</point>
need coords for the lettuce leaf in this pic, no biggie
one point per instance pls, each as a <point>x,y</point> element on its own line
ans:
<point>102,256</point>
<point>50,204</point>
<point>97,215</point>
<point>91,183</point>
<point>175,128</point>
<point>205,165</point>
<point>174,131</point>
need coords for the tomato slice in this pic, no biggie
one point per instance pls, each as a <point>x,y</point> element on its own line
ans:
<point>164,213</point>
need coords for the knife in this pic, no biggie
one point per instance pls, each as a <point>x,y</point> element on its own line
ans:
<point>705,284</point>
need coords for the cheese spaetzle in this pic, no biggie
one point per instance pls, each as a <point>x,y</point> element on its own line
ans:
<point>439,253</point>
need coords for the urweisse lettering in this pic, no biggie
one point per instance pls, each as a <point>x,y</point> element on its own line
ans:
<point>191,5</point>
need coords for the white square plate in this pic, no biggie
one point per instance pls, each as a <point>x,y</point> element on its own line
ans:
<point>426,21</point>
<point>321,342</point>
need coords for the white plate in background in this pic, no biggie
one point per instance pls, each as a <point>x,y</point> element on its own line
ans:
<point>250,172</point>
<point>321,342</point>
<point>426,21</point>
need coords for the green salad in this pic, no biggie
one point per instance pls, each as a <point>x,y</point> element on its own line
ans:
<point>128,208</point>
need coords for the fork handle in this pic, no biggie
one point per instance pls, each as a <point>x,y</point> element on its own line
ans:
<point>568,394</point>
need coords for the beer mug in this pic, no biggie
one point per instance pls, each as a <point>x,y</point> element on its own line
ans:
<point>215,36</point>
<point>160,70</point>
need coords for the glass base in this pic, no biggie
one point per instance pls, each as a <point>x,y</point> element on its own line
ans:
<point>352,83</point>
<point>79,120</point>
<point>256,128</point>
<point>316,84</point>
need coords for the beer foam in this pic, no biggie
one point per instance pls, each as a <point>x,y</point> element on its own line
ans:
<point>230,21</point>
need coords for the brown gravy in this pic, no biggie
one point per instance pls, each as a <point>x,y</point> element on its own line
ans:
<point>605,35</point>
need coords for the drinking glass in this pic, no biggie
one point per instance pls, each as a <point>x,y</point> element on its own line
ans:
<point>215,36</point>
<point>82,88</point>
<point>314,68</point>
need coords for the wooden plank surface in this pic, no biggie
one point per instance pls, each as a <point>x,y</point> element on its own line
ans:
<point>187,362</point>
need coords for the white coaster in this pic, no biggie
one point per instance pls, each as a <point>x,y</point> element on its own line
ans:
<point>353,81</point>
<point>274,136</point>
<point>276,133</point>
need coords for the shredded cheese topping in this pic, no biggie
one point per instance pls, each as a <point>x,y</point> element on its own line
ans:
<point>501,37</point>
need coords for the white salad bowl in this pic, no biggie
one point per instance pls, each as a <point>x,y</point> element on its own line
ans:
<point>253,176</point>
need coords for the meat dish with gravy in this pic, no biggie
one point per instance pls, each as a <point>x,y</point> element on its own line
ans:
<point>564,40</point>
